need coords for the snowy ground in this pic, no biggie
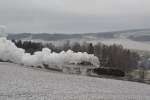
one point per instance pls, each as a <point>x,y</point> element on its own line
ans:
<point>20,83</point>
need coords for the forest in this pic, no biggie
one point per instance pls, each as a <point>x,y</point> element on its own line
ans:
<point>110,56</point>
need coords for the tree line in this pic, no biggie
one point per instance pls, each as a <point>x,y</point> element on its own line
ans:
<point>110,56</point>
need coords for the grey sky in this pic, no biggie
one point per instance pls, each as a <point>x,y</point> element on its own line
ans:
<point>73,15</point>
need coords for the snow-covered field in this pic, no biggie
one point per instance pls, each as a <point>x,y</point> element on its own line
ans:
<point>126,43</point>
<point>21,83</point>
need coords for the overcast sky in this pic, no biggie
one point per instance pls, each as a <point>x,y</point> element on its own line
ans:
<point>73,15</point>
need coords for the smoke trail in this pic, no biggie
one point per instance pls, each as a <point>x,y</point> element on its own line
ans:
<point>9,52</point>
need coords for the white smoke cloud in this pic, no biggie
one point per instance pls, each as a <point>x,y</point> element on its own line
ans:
<point>9,52</point>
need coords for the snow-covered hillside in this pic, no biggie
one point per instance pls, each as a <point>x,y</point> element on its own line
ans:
<point>21,83</point>
<point>136,39</point>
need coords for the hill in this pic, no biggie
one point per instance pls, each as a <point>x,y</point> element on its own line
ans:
<point>136,39</point>
<point>21,83</point>
<point>63,36</point>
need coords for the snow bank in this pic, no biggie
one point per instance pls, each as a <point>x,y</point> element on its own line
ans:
<point>9,52</point>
